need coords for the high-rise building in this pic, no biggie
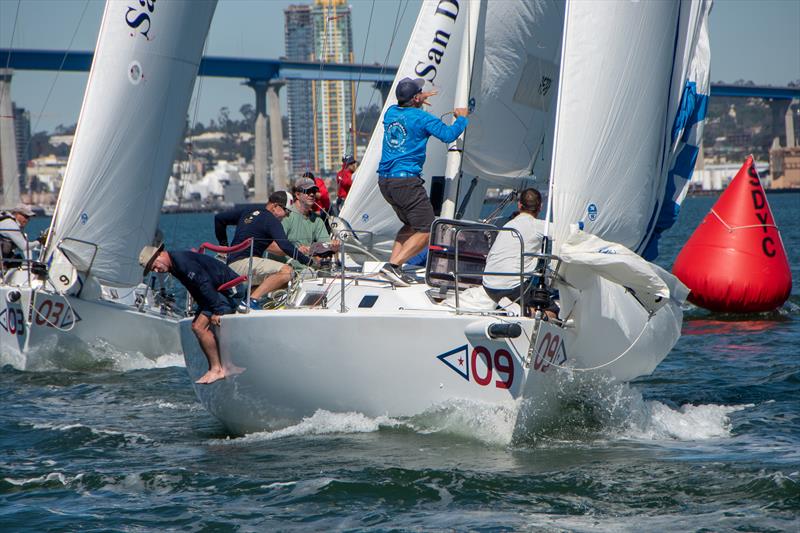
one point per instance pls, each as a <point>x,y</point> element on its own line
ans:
<point>321,113</point>
<point>22,133</point>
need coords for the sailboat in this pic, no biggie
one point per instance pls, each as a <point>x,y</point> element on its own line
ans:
<point>87,289</point>
<point>606,99</point>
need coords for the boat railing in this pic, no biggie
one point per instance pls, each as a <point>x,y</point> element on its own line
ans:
<point>22,263</point>
<point>540,271</point>
<point>70,253</point>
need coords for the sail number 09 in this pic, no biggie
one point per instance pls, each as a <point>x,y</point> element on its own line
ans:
<point>502,363</point>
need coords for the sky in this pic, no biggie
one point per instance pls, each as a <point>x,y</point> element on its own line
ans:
<point>751,40</point>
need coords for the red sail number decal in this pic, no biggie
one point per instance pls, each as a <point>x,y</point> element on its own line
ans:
<point>502,363</point>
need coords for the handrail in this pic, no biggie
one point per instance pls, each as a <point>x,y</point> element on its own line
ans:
<point>23,261</point>
<point>521,261</point>
<point>521,273</point>
<point>224,249</point>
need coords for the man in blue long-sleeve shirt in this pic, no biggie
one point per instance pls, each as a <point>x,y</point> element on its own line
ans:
<point>202,275</point>
<point>264,226</point>
<point>406,129</point>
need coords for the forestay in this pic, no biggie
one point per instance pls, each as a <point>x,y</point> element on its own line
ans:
<point>625,66</point>
<point>132,118</point>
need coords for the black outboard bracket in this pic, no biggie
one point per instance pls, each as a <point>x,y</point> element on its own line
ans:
<point>504,330</point>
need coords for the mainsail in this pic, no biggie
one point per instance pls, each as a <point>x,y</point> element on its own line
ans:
<point>620,103</point>
<point>512,96</point>
<point>132,118</point>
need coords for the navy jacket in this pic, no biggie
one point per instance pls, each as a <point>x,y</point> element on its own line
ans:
<point>263,226</point>
<point>201,275</point>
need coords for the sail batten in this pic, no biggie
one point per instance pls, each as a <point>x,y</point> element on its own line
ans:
<point>132,119</point>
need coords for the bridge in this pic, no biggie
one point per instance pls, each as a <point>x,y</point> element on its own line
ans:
<point>264,76</point>
<point>267,76</point>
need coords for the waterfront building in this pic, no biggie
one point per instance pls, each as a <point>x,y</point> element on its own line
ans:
<point>321,113</point>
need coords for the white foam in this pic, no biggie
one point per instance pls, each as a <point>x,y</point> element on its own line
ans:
<point>688,422</point>
<point>47,478</point>
<point>99,432</point>
<point>324,423</point>
<point>489,423</point>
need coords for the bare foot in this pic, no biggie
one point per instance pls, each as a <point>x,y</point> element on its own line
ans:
<point>211,376</point>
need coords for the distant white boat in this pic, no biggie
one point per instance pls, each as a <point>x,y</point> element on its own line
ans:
<point>131,121</point>
<point>614,141</point>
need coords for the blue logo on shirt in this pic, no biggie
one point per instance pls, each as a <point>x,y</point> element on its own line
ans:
<point>84,218</point>
<point>365,217</point>
<point>592,210</point>
<point>396,135</point>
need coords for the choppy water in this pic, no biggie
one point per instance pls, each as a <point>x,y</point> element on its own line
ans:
<point>709,442</point>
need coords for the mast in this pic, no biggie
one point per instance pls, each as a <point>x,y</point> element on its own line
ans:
<point>454,151</point>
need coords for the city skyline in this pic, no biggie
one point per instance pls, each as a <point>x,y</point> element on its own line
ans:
<point>758,41</point>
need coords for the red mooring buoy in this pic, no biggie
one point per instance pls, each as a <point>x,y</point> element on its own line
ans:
<point>735,261</point>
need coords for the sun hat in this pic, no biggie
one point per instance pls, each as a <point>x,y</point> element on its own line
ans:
<point>24,209</point>
<point>148,256</point>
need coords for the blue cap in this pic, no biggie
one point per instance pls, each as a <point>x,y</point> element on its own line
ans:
<point>407,88</point>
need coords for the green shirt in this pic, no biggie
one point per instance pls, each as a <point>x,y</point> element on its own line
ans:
<point>302,231</point>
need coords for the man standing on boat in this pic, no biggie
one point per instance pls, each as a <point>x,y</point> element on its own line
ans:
<point>201,275</point>
<point>344,180</point>
<point>406,131</point>
<point>264,226</point>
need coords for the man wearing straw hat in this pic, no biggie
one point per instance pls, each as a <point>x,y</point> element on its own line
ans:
<point>201,275</point>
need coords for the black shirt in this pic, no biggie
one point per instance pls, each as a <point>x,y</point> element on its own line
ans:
<point>262,226</point>
<point>201,275</point>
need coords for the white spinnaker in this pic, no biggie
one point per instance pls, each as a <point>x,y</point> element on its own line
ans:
<point>514,88</point>
<point>365,209</point>
<point>132,118</point>
<point>625,65</point>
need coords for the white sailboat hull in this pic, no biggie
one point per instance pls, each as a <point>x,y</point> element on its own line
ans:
<point>284,365</point>
<point>58,327</point>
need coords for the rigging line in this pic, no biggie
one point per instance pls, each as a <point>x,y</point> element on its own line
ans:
<point>731,229</point>
<point>61,66</point>
<point>398,18</point>
<point>360,72</point>
<point>181,182</point>
<point>11,47</point>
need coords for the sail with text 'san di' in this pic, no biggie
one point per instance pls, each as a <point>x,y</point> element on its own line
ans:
<point>132,118</point>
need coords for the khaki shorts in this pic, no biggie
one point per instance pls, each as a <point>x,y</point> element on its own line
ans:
<point>262,268</point>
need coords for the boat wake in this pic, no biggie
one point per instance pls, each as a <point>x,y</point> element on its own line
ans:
<point>99,355</point>
<point>591,413</point>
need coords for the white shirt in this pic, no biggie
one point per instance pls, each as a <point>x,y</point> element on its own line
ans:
<point>18,237</point>
<point>505,253</point>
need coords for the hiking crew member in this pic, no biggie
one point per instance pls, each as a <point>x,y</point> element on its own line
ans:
<point>201,275</point>
<point>405,138</point>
